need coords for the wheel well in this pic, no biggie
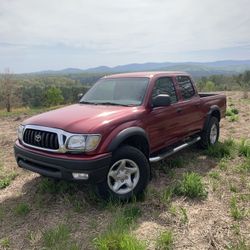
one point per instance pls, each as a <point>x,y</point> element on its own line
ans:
<point>216,113</point>
<point>139,142</point>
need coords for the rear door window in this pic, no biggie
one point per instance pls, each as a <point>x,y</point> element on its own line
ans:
<point>186,87</point>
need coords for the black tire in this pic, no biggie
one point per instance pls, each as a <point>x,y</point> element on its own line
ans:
<point>135,155</point>
<point>205,141</point>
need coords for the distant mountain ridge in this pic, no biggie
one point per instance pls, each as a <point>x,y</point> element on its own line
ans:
<point>227,67</point>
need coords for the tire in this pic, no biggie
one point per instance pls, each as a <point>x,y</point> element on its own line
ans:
<point>128,163</point>
<point>210,135</point>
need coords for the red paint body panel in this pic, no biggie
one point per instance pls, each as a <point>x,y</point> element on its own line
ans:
<point>163,125</point>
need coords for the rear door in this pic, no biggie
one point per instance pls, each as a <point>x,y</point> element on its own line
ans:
<point>189,106</point>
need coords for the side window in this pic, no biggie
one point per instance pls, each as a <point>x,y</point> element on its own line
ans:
<point>186,87</point>
<point>165,85</point>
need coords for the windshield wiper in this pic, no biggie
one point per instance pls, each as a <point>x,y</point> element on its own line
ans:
<point>113,103</point>
<point>85,102</point>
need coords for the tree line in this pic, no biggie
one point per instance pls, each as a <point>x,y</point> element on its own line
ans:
<point>49,90</point>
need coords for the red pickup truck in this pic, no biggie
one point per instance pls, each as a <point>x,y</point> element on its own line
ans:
<point>121,125</point>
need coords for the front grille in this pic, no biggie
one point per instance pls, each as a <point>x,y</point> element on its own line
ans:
<point>42,139</point>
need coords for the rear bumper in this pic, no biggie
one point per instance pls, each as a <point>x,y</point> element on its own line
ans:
<point>61,168</point>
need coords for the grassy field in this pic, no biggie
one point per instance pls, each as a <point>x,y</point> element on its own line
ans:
<point>196,200</point>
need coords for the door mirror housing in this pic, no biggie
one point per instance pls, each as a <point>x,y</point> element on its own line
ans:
<point>161,101</point>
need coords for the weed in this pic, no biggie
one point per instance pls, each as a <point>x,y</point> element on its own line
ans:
<point>176,162</point>
<point>53,186</point>
<point>236,229</point>
<point>232,111</point>
<point>184,216</point>
<point>233,118</point>
<point>173,210</point>
<point>22,209</point>
<point>165,241</point>
<point>233,188</point>
<point>240,245</point>
<point>167,195</point>
<point>223,164</point>
<point>244,168</point>
<point>244,148</point>
<point>117,236</point>
<point>191,186</point>
<point>214,175</point>
<point>113,240</point>
<point>235,211</point>
<point>5,242</point>
<point>222,150</point>
<point>5,181</point>
<point>58,238</point>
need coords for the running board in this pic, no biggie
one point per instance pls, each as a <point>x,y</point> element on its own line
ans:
<point>174,150</point>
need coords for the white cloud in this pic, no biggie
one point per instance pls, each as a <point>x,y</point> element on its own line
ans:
<point>134,29</point>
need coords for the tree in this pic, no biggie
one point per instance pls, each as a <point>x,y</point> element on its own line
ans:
<point>244,82</point>
<point>53,96</point>
<point>8,91</point>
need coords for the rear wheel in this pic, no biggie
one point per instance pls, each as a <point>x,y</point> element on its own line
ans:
<point>210,135</point>
<point>128,175</point>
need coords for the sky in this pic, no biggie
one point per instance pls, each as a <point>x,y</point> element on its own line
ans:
<point>40,35</point>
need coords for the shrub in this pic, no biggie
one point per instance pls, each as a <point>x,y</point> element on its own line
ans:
<point>165,241</point>
<point>191,186</point>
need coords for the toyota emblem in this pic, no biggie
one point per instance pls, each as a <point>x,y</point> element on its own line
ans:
<point>38,138</point>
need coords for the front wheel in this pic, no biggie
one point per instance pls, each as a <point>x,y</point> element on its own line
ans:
<point>128,175</point>
<point>210,135</point>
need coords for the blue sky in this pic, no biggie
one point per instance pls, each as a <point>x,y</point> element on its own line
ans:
<point>54,34</point>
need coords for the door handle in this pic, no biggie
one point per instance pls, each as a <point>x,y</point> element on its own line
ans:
<point>179,110</point>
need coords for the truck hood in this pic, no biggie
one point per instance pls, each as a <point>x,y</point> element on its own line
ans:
<point>84,118</point>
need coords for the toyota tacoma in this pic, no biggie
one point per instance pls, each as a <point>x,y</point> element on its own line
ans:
<point>119,127</point>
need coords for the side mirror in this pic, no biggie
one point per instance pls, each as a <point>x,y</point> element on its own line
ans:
<point>161,101</point>
<point>79,96</point>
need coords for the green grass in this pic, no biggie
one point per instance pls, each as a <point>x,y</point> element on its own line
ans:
<point>240,245</point>
<point>113,240</point>
<point>191,186</point>
<point>244,148</point>
<point>166,195</point>
<point>176,162</point>
<point>235,211</point>
<point>5,243</point>
<point>47,185</point>
<point>6,180</point>
<point>233,118</point>
<point>184,216</point>
<point>232,111</point>
<point>165,241</point>
<point>117,236</point>
<point>215,175</point>
<point>22,209</point>
<point>244,167</point>
<point>58,238</point>
<point>221,150</point>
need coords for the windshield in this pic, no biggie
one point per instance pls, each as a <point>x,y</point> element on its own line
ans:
<point>117,91</point>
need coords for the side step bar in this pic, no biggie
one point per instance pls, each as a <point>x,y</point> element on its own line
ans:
<point>174,150</point>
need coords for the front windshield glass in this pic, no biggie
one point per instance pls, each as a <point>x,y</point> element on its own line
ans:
<point>117,91</point>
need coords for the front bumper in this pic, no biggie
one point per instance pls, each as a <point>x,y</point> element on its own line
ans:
<point>61,168</point>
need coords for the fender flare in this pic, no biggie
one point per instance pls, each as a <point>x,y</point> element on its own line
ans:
<point>209,114</point>
<point>125,134</point>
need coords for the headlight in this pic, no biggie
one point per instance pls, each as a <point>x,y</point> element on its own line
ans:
<point>83,142</point>
<point>20,131</point>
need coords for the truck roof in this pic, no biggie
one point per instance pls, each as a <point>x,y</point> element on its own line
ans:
<point>149,74</point>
